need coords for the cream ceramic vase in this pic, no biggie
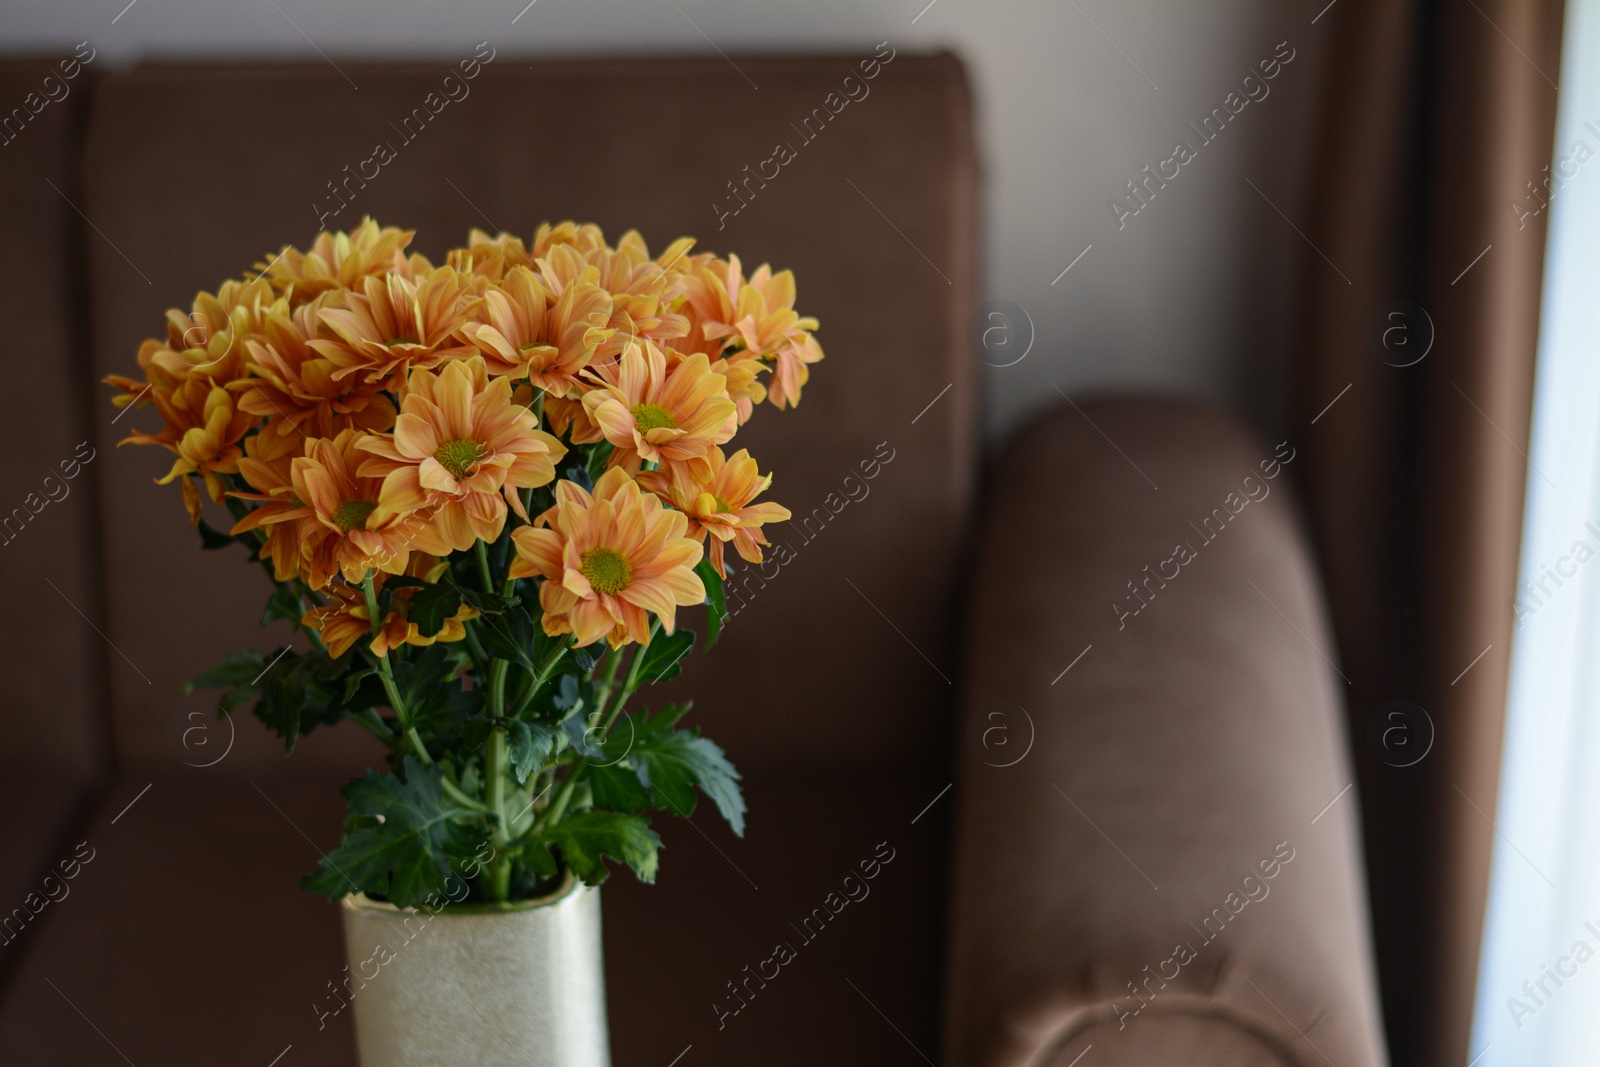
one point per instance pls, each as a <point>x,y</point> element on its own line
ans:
<point>523,987</point>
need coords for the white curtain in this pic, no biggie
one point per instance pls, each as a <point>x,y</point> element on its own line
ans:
<point>1539,979</point>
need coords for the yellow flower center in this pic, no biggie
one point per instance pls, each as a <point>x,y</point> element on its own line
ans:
<point>649,417</point>
<point>723,507</point>
<point>458,457</point>
<point>352,514</point>
<point>607,570</point>
<point>398,341</point>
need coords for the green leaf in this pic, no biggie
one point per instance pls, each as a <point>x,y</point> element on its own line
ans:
<point>445,709</point>
<point>232,698</point>
<point>716,600</point>
<point>663,657</point>
<point>325,881</point>
<point>416,799</point>
<point>584,740</point>
<point>486,603</point>
<point>564,694</point>
<point>530,745</point>
<point>236,669</point>
<point>283,701</point>
<point>537,856</point>
<point>211,539</point>
<point>476,734</point>
<point>586,657</point>
<point>405,859</point>
<point>508,636</point>
<point>297,691</point>
<point>616,786</point>
<point>585,837</point>
<point>355,680</point>
<point>367,692</point>
<point>284,603</point>
<point>665,719</point>
<point>436,702</point>
<point>432,607</point>
<point>673,763</point>
<point>421,675</point>
<point>596,466</point>
<point>384,861</point>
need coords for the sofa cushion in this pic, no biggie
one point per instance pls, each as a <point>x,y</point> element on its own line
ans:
<point>184,942</point>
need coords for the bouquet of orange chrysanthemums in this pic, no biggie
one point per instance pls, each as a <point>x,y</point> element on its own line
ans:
<point>482,490</point>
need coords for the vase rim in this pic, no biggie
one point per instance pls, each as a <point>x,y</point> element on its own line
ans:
<point>569,885</point>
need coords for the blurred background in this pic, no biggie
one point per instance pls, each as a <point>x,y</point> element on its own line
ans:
<point>1389,171</point>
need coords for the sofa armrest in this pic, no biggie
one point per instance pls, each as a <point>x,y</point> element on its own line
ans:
<point>1156,847</point>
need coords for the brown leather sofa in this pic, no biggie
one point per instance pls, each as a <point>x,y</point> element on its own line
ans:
<point>948,684</point>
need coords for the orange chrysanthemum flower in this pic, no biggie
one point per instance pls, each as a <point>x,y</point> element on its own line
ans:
<point>374,406</point>
<point>462,449</point>
<point>742,369</point>
<point>340,261</point>
<point>345,620</point>
<point>642,290</point>
<point>268,468</point>
<point>528,333</point>
<point>396,323</point>
<point>488,257</point>
<point>758,314</point>
<point>609,559</point>
<point>585,238</point>
<point>344,528</point>
<point>204,428</point>
<point>567,417</point>
<point>292,385</point>
<point>655,414</point>
<point>203,343</point>
<point>715,494</point>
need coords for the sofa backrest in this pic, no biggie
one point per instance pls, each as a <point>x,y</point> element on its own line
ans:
<point>56,739</point>
<point>844,652</point>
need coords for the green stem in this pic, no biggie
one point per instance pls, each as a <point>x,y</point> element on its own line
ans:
<point>605,685</point>
<point>474,646</point>
<point>631,686</point>
<point>542,674</point>
<point>637,664</point>
<point>497,688</point>
<point>613,661</point>
<point>371,591</point>
<point>455,793</point>
<point>387,676</point>
<point>522,698</point>
<point>495,775</point>
<point>483,567</point>
<point>374,725</point>
<point>411,735</point>
<point>635,668</point>
<point>499,888</point>
<point>559,805</point>
<point>480,658</point>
